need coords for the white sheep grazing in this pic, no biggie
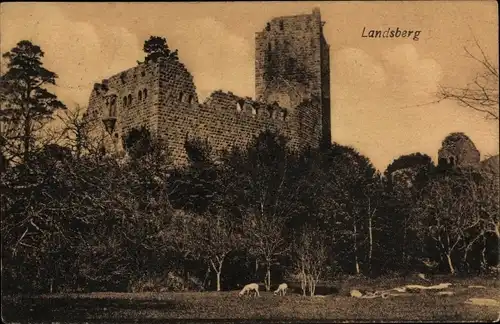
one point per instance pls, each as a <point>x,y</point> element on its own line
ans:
<point>250,287</point>
<point>281,289</point>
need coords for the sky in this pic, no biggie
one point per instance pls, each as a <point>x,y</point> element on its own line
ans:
<point>383,90</point>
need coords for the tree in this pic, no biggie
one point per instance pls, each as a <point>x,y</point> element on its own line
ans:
<point>347,181</point>
<point>198,151</point>
<point>156,47</point>
<point>481,94</point>
<point>485,215</point>
<point>263,177</point>
<point>26,105</point>
<point>138,142</point>
<point>181,236</point>
<point>198,182</point>
<point>216,236</point>
<point>448,211</point>
<point>266,240</point>
<point>310,256</point>
<point>403,179</point>
<point>77,132</point>
<point>263,189</point>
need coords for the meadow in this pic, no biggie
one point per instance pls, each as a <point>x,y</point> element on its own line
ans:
<point>228,306</point>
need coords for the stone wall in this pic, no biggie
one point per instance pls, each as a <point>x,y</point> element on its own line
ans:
<point>224,119</point>
<point>136,90</point>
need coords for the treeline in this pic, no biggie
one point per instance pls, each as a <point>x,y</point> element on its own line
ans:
<point>101,223</point>
<point>77,218</point>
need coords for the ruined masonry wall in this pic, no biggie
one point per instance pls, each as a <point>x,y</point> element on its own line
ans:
<point>126,85</point>
<point>219,121</point>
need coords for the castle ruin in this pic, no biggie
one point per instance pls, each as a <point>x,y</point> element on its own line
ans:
<point>292,86</point>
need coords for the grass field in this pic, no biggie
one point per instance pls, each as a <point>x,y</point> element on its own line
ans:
<point>339,306</point>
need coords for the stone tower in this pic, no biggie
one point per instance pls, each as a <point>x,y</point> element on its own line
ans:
<point>458,150</point>
<point>292,67</point>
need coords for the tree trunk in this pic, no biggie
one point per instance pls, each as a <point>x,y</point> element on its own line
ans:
<point>356,248</point>
<point>311,289</point>
<point>465,258</point>
<point>484,263</point>
<point>218,280</point>
<point>268,277</point>
<point>206,277</point>
<point>450,263</point>
<point>370,251</point>
<point>469,247</point>
<point>27,137</point>
<point>78,145</point>
<point>404,245</point>
<point>303,280</point>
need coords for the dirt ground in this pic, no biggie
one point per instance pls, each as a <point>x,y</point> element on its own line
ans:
<point>339,306</point>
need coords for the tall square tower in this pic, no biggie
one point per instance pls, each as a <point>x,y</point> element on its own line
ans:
<point>292,66</point>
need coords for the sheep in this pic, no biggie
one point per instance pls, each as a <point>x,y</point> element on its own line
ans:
<point>281,289</point>
<point>250,287</point>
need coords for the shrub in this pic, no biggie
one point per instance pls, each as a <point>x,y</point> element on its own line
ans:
<point>169,282</point>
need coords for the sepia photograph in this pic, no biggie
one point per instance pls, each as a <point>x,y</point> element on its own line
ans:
<point>249,161</point>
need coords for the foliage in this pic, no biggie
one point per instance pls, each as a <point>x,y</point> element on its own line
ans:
<point>26,104</point>
<point>138,142</point>
<point>310,258</point>
<point>156,47</point>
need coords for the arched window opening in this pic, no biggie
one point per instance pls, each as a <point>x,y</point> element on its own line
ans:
<point>238,107</point>
<point>145,93</point>
<point>270,111</point>
<point>281,25</point>
<point>181,96</point>
<point>125,101</point>
<point>112,107</point>
<point>129,99</point>
<point>191,99</point>
<point>140,95</point>
<point>269,47</point>
<point>254,111</point>
<point>283,115</point>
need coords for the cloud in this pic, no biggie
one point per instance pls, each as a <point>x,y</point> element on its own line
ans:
<point>370,99</point>
<point>410,75</point>
<point>77,51</point>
